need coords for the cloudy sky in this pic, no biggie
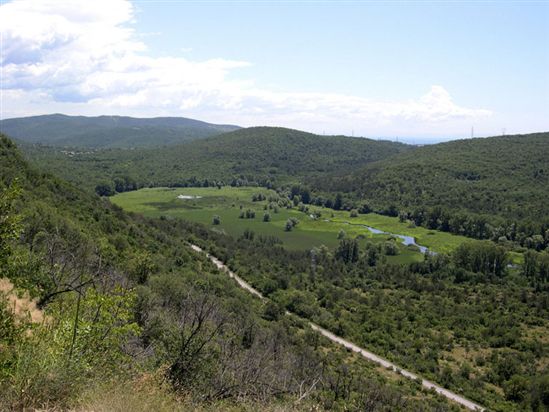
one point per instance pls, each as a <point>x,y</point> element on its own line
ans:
<point>376,69</point>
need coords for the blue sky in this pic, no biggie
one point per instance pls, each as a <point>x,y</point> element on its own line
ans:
<point>409,69</point>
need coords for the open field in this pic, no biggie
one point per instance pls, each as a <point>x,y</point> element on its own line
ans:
<point>435,240</point>
<point>228,202</point>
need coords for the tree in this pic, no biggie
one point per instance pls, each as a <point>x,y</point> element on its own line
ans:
<point>390,248</point>
<point>9,221</point>
<point>481,256</point>
<point>516,388</point>
<point>267,217</point>
<point>288,226</point>
<point>347,250</point>
<point>216,220</point>
<point>338,203</point>
<point>539,393</point>
<point>305,196</point>
<point>141,267</point>
<point>365,209</point>
<point>104,189</point>
<point>272,311</point>
<point>354,213</point>
<point>199,322</point>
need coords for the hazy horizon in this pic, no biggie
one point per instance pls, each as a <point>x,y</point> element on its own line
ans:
<point>413,140</point>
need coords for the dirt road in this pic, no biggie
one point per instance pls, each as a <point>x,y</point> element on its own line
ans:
<point>349,345</point>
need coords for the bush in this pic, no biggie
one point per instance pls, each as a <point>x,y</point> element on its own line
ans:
<point>288,226</point>
<point>104,189</point>
<point>216,220</point>
<point>52,364</point>
<point>390,248</point>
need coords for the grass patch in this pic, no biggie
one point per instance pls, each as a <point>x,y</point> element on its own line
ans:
<point>228,202</point>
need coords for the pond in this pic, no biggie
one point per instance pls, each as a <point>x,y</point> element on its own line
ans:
<point>187,197</point>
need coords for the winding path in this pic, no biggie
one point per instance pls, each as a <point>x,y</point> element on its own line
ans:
<point>349,345</point>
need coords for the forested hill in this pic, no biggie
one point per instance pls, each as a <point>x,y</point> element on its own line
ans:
<point>108,131</point>
<point>93,300</point>
<point>276,151</point>
<point>257,154</point>
<point>505,176</point>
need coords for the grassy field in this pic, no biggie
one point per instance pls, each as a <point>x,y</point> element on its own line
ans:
<point>435,240</point>
<point>228,202</point>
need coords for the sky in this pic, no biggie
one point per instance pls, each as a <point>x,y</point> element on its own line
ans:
<point>425,70</point>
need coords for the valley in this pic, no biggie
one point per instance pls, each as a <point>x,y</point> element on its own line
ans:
<point>402,285</point>
<point>366,354</point>
<point>317,225</point>
<point>296,206</point>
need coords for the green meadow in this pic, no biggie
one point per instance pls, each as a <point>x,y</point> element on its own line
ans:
<point>228,202</point>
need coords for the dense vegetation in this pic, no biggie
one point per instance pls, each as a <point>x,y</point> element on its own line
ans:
<point>494,188</point>
<point>104,310</point>
<point>262,155</point>
<point>108,131</point>
<point>468,322</point>
<point>473,318</point>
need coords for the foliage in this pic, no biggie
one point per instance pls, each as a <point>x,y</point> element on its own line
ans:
<point>108,131</point>
<point>483,257</point>
<point>230,203</point>
<point>122,295</point>
<point>56,360</point>
<point>237,159</point>
<point>483,188</point>
<point>9,222</point>
<point>467,322</point>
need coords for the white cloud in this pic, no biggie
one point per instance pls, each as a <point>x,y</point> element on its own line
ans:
<point>85,57</point>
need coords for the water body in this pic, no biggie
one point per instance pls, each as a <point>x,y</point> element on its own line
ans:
<point>406,240</point>
<point>187,197</point>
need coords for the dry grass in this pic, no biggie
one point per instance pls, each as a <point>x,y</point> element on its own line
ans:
<point>22,306</point>
<point>149,392</point>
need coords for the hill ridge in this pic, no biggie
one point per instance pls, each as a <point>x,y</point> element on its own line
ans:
<point>109,131</point>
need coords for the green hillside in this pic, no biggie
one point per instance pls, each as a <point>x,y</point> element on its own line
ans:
<point>493,188</point>
<point>257,154</point>
<point>487,188</point>
<point>108,131</point>
<point>102,310</point>
<point>506,176</point>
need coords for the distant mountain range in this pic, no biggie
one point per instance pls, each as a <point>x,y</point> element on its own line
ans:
<point>109,131</point>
